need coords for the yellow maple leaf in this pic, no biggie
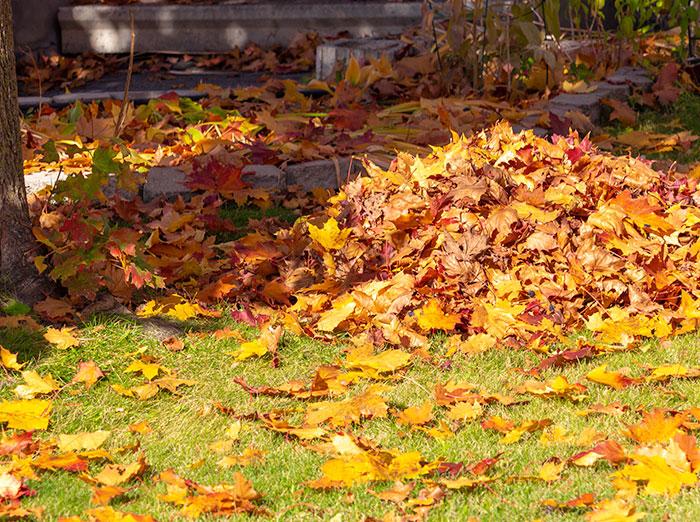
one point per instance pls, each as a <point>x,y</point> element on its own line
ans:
<point>363,358</point>
<point>63,338</point>
<point>330,236</point>
<point>142,393</point>
<point>147,369</point>
<point>35,385</point>
<point>9,359</point>
<point>551,470</point>
<point>416,415</point>
<point>254,348</point>
<point>465,411</point>
<point>661,478</point>
<point>82,440</point>
<point>614,510</point>
<point>30,414</point>
<point>431,317</point>
<point>174,306</point>
<point>613,379</point>
<point>267,342</point>
<point>343,307</point>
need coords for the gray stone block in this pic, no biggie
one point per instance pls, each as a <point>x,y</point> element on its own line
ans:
<point>266,177</point>
<point>337,54</point>
<point>587,103</point>
<point>636,77</point>
<point>164,182</point>
<point>221,27</point>
<point>323,173</point>
<point>615,91</point>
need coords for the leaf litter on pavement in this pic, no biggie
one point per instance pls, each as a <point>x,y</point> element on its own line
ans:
<point>471,305</point>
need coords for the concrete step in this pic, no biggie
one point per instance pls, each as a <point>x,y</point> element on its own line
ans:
<point>220,28</point>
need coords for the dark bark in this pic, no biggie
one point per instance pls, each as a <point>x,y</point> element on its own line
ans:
<point>18,276</point>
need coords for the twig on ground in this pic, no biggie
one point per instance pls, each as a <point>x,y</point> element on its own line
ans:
<point>127,83</point>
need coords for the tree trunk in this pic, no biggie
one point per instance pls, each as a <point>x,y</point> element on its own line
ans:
<point>17,273</point>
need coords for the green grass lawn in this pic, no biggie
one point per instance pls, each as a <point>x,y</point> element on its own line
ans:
<point>185,426</point>
<point>682,115</point>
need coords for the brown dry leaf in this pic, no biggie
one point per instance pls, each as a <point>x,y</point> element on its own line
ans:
<point>173,344</point>
<point>54,309</point>
<point>621,111</point>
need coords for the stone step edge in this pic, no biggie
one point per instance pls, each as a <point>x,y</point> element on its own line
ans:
<point>193,28</point>
<point>309,175</point>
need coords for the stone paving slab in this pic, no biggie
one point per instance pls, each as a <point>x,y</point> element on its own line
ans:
<point>164,182</point>
<point>616,86</point>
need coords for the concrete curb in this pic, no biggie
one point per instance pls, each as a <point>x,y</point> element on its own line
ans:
<point>217,28</point>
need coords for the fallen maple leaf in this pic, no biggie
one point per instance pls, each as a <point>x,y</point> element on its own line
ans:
<point>88,373</point>
<point>431,317</point>
<point>35,385</point>
<point>9,359</point>
<point>416,415</point>
<point>148,369</point>
<point>613,379</point>
<point>266,343</point>
<point>109,514</point>
<point>660,477</point>
<point>621,111</point>
<point>82,441</point>
<point>103,495</point>
<point>614,510</point>
<point>30,414</point>
<point>222,499</point>
<point>329,236</point>
<point>363,358</point>
<point>116,474</point>
<point>63,338</point>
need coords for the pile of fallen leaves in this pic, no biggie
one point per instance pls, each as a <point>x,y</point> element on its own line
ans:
<point>499,237</point>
